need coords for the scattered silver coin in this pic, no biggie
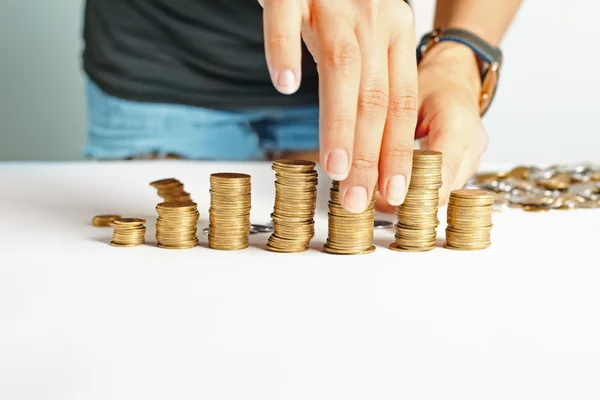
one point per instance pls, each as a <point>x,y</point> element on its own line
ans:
<point>558,186</point>
<point>382,224</point>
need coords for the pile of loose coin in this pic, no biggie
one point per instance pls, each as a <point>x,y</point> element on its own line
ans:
<point>541,189</point>
<point>128,232</point>
<point>171,190</point>
<point>229,213</point>
<point>294,208</point>
<point>469,219</point>
<point>176,225</point>
<point>417,216</point>
<point>349,233</point>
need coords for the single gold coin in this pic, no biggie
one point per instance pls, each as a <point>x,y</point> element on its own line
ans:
<point>104,220</point>
<point>474,193</point>
<point>164,182</point>
<point>331,250</point>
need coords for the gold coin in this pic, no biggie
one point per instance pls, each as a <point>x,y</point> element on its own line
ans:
<point>417,216</point>
<point>229,212</point>
<point>482,247</point>
<point>176,225</point>
<point>128,232</point>
<point>395,247</point>
<point>469,219</point>
<point>294,207</point>
<point>349,233</point>
<point>164,182</point>
<point>474,194</point>
<point>104,220</point>
<point>330,250</point>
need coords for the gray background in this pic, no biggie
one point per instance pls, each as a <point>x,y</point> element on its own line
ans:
<point>545,110</point>
<point>41,85</point>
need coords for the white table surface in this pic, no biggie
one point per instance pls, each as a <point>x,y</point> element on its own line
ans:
<point>80,319</point>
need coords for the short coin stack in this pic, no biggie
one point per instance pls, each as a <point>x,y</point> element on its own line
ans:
<point>295,202</point>
<point>469,219</point>
<point>229,213</point>
<point>128,232</point>
<point>417,216</point>
<point>349,233</point>
<point>171,189</point>
<point>176,225</point>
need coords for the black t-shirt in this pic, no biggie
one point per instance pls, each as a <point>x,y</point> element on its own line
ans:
<point>207,53</point>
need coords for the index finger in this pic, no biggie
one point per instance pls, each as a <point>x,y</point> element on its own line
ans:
<point>395,162</point>
<point>283,43</point>
<point>339,66</point>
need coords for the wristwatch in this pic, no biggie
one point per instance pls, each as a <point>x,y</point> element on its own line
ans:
<point>488,57</point>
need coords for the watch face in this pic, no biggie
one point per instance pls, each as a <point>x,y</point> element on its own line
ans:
<point>488,87</point>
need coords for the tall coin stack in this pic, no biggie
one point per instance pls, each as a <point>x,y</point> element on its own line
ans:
<point>417,216</point>
<point>176,225</point>
<point>295,203</point>
<point>469,219</point>
<point>171,189</point>
<point>349,233</point>
<point>229,213</point>
<point>128,232</point>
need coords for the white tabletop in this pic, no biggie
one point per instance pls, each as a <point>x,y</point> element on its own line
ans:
<point>80,319</point>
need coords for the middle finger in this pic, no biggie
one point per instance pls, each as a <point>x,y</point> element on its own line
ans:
<point>356,191</point>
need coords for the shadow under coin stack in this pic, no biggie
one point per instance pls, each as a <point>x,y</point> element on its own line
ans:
<point>349,233</point>
<point>229,213</point>
<point>469,219</point>
<point>171,189</point>
<point>295,203</point>
<point>128,232</point>
<point>176,225</point>
<point>417,216</point>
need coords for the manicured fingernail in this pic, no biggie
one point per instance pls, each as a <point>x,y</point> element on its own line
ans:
<point>356,199</point>
<point>396,190</point>
<point>286,82</point>
<point>338,164</point>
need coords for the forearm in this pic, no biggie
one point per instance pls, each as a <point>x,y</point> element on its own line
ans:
<point>488,19</point>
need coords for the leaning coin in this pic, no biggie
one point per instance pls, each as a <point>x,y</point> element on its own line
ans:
<point>104,220</point>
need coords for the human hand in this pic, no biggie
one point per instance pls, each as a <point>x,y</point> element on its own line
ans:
<point>365,55</point>
<point>449,117</point>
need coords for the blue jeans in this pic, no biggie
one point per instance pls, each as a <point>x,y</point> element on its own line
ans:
<point>119,129</point>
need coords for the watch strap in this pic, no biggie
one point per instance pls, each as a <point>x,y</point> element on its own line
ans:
<point>481,48</point>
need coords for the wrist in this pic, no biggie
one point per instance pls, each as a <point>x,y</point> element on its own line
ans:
<point>459,62</point>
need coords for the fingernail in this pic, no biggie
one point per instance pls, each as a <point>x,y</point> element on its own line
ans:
<point>356,199</point>
<point>286,82</point>
<point>338,164</point>
<point>396,190</point>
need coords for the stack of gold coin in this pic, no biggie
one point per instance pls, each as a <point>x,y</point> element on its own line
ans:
<point>229,213</point>
<point>349,233</point>
<point>176,225</point>
<point>104,220</point>
<point>295,202</point>
<point>128,232</point>
<point>469,219</point>
<point>171,189</point>
<point>417,216</point>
